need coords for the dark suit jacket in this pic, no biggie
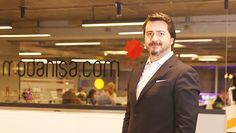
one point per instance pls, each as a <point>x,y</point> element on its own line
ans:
<point>168,106</point>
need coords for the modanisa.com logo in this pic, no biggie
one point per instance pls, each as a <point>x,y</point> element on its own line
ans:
<point>60,68</point>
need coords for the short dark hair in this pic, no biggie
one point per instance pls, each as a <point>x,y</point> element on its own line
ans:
<point>159,16</point>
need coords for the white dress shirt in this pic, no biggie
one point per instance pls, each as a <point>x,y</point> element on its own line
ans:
<point>149,70</point>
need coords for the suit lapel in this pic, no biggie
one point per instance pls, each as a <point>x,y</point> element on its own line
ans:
<point>137,75</point>
<point>159,74</point>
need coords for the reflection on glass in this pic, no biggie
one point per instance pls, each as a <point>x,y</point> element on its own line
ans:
<point>206,41</point>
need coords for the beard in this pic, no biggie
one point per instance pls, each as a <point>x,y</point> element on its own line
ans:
<point>154,51</point>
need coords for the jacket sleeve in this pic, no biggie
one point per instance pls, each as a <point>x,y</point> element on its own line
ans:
<point>186,101</point>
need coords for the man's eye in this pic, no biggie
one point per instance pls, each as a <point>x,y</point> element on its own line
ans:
<point>149,33</point>
<point>162,33</point>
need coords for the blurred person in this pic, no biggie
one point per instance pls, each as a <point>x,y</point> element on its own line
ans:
<point>91,97</point>
<point>7,91</point>
<point>105,98</point>
<point>232,92</point>
<point>81,94</point>
<point>111,88</point>
<point>27,95</point>
<point>69,97</point>
<point>163,93</point>
<point>221,100</point>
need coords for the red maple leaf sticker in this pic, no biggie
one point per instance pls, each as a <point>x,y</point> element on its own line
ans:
<point>134,49</point>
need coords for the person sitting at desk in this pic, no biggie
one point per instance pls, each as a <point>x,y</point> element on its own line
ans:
<point>69,97</point>
<point>221,100</point>
<point>91,97</point>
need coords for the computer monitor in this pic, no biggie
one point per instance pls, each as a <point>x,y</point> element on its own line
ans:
<point>205,97</point>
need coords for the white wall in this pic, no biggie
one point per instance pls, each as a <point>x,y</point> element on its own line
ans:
<point>211,123</point>
<point>84,121</point>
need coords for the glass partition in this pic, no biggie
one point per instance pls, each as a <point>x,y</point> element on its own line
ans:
<point>75,64</point>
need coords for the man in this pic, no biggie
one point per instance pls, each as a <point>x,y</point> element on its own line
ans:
<point>163,93</point>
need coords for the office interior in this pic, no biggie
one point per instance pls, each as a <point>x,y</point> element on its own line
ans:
<point>49,48</point>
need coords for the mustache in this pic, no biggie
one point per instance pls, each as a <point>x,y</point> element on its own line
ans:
<point>154,43</point>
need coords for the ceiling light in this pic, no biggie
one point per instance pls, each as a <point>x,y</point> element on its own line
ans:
<point>27,35</point>
<point>138,33</point>
<point>115,52</point>
<point>207,59</point>
<point>177,45</point>
<point>112,24</point>
<point>35,60</point>
<point>177,31</point>
<point>5,27</point>
<point>45,61</point>
<point>78,43</point>
<point>188,55</point>
<point>84,60</point>
<point>89,60</point>
<point>211,56</point>
<point>56,62</point>
<point>30,53</point>
<point>195,40</point>
<point>131,33</point>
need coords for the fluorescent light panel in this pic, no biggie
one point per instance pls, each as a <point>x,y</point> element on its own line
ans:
<point>177,45</point>
<point>202,57</point>
<point>131,33</point>
<point>34,60</point>
<point>115,52</point>
<point>5,27</point>
<point>112,24</point>
<point>27,35</point>
<point>30,53</point>
<point>177,31</point>
<point>56,62</point>
<point>195,40</point>
<point>84,60</point>
<point>77,43</point>
<point>211,56</point>
<point>188,55</point>
<point>45,61</point>
<point>207,59</point>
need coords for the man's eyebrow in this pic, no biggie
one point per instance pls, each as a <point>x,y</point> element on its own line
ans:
<point>160,31</point>
<point>155,31</point>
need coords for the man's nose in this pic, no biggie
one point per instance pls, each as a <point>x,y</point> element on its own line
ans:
<point>155,37</point>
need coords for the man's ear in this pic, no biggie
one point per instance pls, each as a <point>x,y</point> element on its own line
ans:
<point>172,40</point>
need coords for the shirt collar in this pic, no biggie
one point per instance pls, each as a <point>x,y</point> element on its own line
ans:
<point>162,60</point>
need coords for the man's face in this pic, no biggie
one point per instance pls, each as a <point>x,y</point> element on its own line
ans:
<point>157,38</point>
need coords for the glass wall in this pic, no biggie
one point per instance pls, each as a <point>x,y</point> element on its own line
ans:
<point>75,64</point>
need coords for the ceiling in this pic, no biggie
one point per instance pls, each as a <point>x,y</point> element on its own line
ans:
<point>63,18</point>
